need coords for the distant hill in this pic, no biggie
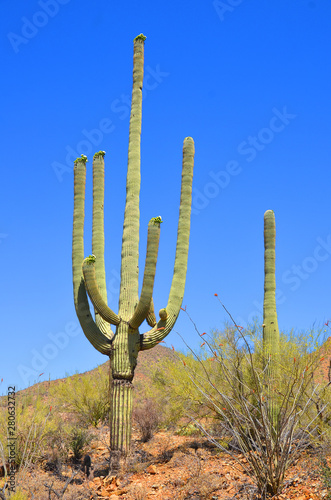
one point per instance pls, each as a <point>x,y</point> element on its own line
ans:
<point>147,361</point>
<point>150,359</point>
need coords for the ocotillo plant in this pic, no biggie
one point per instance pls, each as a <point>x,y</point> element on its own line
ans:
<point>270,322</point>
<point>89,274</point>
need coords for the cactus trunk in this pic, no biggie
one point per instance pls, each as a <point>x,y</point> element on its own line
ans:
<point>121,414</point>
<point>270,321</point>
<point>89,277</point>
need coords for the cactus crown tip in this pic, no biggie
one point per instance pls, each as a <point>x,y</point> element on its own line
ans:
<point>188,143</point>
<point>81,158</point>
<point>90,259</point>
<point>99,153</point>
<point>157,220</point>
<point>140,37</point>
<point>268,213</point>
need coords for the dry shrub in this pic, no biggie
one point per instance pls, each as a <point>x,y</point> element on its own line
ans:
<point>147,417</point>
<point>199,484</point>
<point>138,491</point>
<point>202,487</point>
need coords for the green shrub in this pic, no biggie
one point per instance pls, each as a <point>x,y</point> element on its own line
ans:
<point>237,383</point>
<point>19,495</point>
<point>189,429</point>
<point>33,420</point>
<point>325,473</point>
<point>78,440</point>
<point>86,396</point>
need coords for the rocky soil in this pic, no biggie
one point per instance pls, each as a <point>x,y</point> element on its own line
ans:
<point>169,467</point>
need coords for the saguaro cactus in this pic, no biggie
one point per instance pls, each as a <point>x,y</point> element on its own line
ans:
<point>270,322</point>
<point>89,274</point>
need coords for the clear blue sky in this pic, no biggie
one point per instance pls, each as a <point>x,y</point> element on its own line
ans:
<point>248,80</point>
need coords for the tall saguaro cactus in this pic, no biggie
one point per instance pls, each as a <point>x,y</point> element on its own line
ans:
<point>270,322</point>
<point>124,345</point>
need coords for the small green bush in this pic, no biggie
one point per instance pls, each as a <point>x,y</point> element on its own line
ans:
<point>19,495</point>
<point>78,441</point>
<point>242,391</point>
<point>33,420</point>
<point>86,396</point>
<point>189,429</point>
<point>325,472</point>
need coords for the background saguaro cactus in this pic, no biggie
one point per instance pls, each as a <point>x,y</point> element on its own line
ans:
<point>270,321</point>
<point>89,274</point>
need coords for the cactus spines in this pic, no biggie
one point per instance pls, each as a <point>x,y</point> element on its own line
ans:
<point>89,274</point>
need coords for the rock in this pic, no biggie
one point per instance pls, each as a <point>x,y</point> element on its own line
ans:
<point>109,480</point>
<point>104,492</point>
<point>151,469</point>
<point>118,493</point>
<point>97,481</point>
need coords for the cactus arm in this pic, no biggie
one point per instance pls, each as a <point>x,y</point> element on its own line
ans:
<point>89,273</point>
<point>150,318</point>
<point>150,339</point>
<point>183,233</point>
<point>98,339</point>
<point>130,240</point>
<point>143,306</point>
<point>270,322</point>
<point>98,238</point>
<point>168,316</point>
